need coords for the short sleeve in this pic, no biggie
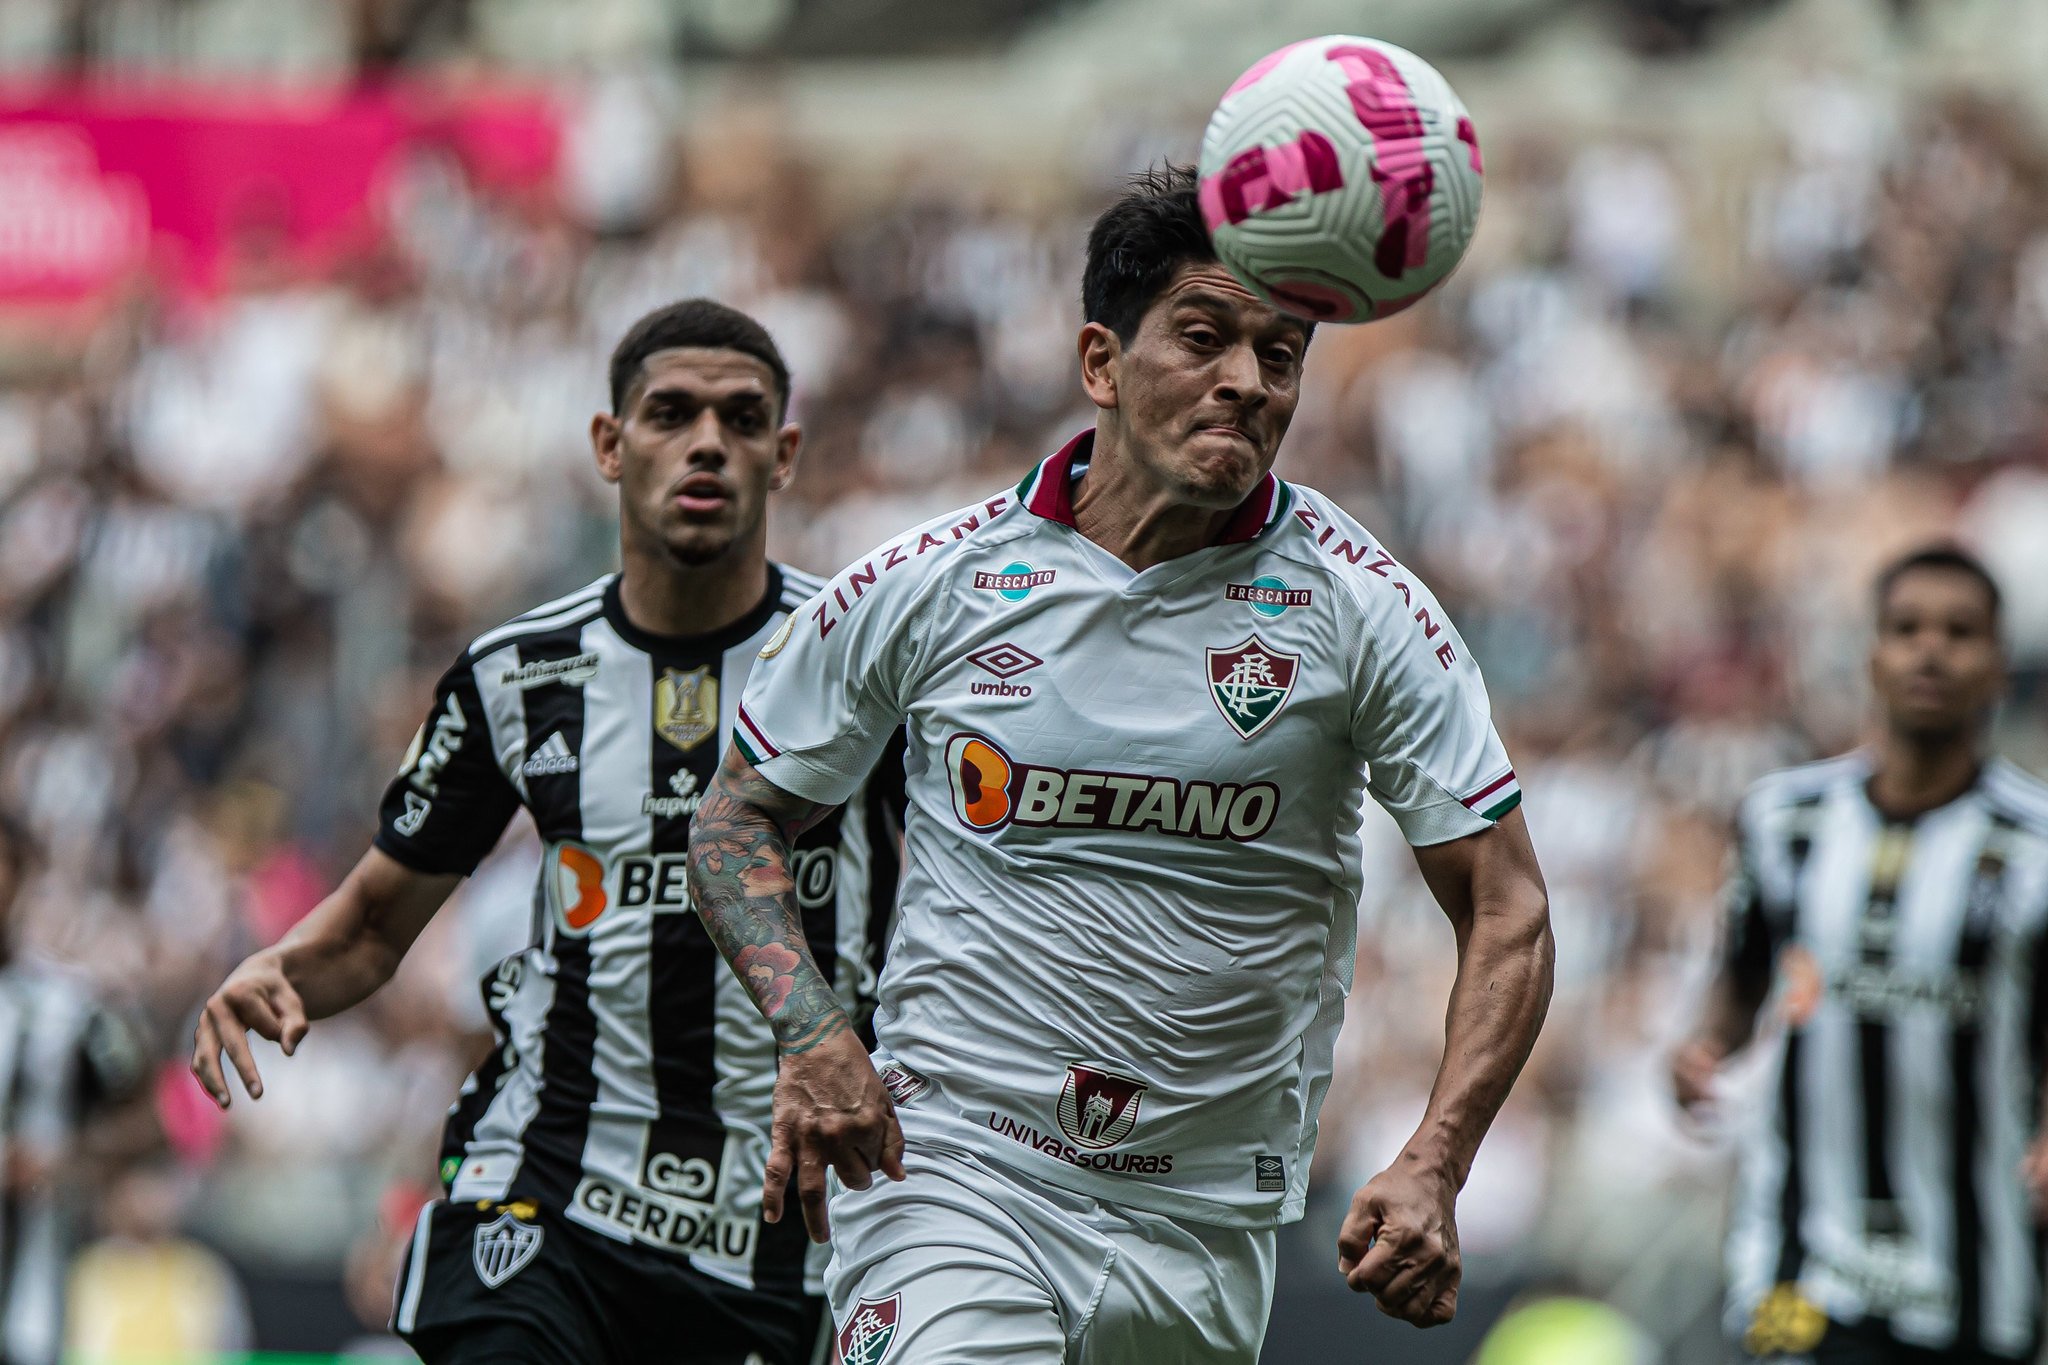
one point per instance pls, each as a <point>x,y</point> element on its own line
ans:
<point>1423,724</point>
<point>829,689</point>
<point>450,801</point>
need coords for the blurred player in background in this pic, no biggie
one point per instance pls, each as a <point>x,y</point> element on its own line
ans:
<point>1143,690</point>
<point>65,1057</point>
<point>604,1167</point>
<point>1895,899</point>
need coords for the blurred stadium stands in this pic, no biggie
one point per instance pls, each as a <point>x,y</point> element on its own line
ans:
<point>1760,298</point>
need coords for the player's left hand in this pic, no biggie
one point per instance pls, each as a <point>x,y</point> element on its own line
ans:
<point>1399,1243</point>
<point>2034,1171</point>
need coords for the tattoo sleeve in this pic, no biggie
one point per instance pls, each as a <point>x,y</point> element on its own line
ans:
<point>740,842</point>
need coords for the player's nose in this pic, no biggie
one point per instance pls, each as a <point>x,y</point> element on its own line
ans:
<point>1242,381</point>
<point>704,441</point>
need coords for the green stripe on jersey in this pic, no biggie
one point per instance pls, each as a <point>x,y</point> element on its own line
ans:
<point>1503,808</point>
<point>1285,499</point>
<point>746,748</point>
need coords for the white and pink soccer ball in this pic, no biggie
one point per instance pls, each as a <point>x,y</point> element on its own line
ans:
<point>1340,178</point>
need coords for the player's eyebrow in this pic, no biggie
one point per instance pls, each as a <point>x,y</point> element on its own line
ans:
<point>1208,299</point>
<point>683,391</point>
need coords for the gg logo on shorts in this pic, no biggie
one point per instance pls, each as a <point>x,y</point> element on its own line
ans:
<point>576,877</point>
<point>980,774</point>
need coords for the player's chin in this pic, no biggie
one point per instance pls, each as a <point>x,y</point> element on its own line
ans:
<point>700,545</point>
<point>1221,483</point>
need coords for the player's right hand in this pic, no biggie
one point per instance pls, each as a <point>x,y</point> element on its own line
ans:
<point>255,996</point>
<point>831,1112</point>
<point>1694,1068</point>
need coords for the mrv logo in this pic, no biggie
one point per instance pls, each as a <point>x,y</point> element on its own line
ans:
<point>990,790</point>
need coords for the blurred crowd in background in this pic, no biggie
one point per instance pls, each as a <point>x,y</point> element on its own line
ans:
<point>238,542</point>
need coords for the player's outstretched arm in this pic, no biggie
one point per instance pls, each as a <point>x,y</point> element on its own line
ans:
<point>831,1110</point>
<point>335,957</point>
<point>1399,1242</point>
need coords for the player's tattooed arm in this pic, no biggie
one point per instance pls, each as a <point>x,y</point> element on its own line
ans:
<point>740,841</point>
<point>831,1110</point>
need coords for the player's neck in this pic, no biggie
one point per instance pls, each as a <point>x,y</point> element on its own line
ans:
<point>1914,775</point>
<point>1135,518</point>
<point>664,597</point>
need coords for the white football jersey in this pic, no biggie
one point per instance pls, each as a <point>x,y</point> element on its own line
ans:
<point>1128,915</point>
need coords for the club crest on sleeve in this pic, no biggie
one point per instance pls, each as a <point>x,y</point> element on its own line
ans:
<point>779,638</point>
<point>503,1247</point>
<point>870,1330</point>
<point>1250,682</point>
<point>1097,1108</point>
<point>686,706</point>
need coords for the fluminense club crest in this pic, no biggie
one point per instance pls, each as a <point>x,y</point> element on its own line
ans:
<point>868,1333</point>
<point>1098,1108</point>
<point>1249,683</point>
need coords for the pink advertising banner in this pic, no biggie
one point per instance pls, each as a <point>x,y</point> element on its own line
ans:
<point>96,186</point>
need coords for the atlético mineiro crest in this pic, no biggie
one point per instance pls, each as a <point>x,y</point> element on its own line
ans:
<point>1249,683</point>
<point>868,1333</point>
<point>1098,1108</point>
<point>503,1247</point>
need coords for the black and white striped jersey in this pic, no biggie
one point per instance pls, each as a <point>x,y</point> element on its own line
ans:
<point>61,1053</point>
<point>1907,973</point>
<point>632,1086</point>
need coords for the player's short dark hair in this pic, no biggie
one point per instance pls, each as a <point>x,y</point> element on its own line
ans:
<point>694,322</point>
<point>1944,558</point>
<point>1153,229</point>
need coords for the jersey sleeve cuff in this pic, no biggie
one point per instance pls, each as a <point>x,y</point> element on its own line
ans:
<point>812,782</point>
<point>1439,823</point>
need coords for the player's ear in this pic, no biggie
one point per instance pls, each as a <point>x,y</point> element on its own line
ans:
<point>605,431</point>
<point>787,442</point>
<point>1100,350</point>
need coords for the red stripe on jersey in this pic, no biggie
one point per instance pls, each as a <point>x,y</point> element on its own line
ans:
<point>768,749</point>
<point>1476,797</point>
<point>1052,496</point>
<point>1252,514</point>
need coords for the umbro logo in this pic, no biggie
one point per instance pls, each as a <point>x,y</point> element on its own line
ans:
<point>551,759</point>
<point>1004,660</point>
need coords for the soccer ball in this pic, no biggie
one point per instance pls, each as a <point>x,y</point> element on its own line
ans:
<point>1340,179</point>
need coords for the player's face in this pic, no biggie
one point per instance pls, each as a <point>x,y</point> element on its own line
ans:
<point>1205,390</point>
<point>696,452</point>
<point>1937,665</point>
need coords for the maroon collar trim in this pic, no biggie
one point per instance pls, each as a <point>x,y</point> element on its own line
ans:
<point>1049,493</point>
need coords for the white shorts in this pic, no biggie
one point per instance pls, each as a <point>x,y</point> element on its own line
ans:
<point>965,1264</point>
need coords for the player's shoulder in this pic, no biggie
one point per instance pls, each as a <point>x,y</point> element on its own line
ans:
<point>914,564</point>
<point>561,619</point>
<point>1311,528</point>
<point>798,586</point>
<point>1354,564</point>
<point>1802,786</point>
<point>2017,795</point>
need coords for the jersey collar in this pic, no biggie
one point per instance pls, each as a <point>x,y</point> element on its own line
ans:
<point>714,642</point>
<point>1048,491</point>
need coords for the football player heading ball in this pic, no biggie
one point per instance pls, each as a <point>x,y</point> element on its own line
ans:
<point>1146,692</point>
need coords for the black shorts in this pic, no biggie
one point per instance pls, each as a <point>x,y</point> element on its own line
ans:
<point>556,1292</point>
